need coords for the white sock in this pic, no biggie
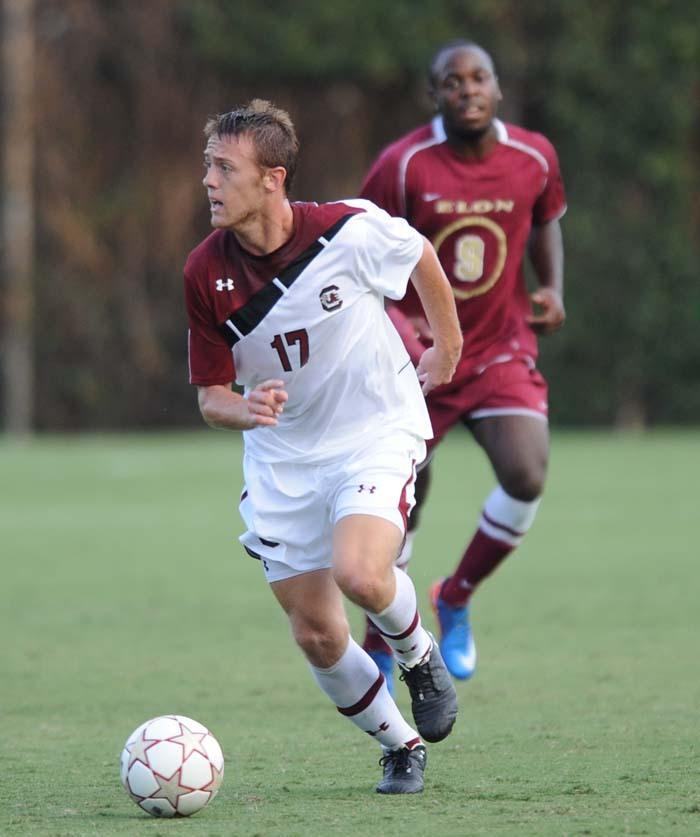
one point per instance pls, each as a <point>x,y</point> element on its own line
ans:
<point>505,518</point>
<point>400,623</point>
<point>359,691</point>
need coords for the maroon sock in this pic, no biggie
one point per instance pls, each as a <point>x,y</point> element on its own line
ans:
<point>373,640</point>
<point>482,557</point>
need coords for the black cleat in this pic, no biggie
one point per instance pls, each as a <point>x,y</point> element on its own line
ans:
<point>403,770</point>
<point>433,696</point>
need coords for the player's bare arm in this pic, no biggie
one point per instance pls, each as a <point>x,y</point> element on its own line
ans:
<point>438,363</point>
<point>546,251</point>
<point>224,409</point>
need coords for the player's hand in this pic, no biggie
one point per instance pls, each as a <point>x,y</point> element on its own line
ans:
<point>549,314</point>
<point>266,402</point>
<point>435,367</point>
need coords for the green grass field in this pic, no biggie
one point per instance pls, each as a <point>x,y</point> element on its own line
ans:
<point>125,595</point>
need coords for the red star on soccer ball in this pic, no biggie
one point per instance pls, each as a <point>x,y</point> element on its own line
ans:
<point>137,749</point>
<point>191,741</point>
<point>169,789</point>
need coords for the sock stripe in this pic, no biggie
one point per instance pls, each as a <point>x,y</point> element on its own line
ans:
<point>365,700</point>
<point>514,533</point>
<point>409,630</point>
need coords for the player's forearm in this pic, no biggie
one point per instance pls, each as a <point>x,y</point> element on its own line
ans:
<point>546,250</point>
<point>438,303</point>
<point>223,409</point>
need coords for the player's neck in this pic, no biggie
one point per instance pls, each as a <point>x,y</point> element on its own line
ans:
<point>475,147</point>
<point>267,232</point>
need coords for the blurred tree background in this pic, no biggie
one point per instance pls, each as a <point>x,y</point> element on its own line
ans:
<point>120,92</point>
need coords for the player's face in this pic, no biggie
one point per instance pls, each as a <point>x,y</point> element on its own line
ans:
<point>466,91</point>
<point>233,180</point>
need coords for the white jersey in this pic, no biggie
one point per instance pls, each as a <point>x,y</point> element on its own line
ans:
<point>319,325</point>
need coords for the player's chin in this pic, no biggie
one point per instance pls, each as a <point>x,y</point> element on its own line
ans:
<point>218,218</point>
<point>472,130</point>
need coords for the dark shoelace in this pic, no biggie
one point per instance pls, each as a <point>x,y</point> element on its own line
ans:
<point>420,678</point>
<point>401,759</point>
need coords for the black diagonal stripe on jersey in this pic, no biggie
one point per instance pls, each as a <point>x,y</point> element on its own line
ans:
<point>248,316</point>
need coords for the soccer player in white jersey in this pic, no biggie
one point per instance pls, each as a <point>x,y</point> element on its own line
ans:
<point>287,300</point>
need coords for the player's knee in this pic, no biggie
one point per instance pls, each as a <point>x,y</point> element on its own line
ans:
<point>365,585</point>
<point>525,483</point>
<point>322,644</point>
<point>362,588</point>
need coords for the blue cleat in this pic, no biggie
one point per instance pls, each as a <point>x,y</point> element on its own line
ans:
<point>456,641</point>
<point>385,663</point>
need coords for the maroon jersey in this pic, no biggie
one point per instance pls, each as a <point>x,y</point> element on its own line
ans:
<point>478,215</point>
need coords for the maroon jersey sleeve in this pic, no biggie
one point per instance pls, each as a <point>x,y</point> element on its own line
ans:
<point>381,186</point>
<point>210,358</point>
<point>551,203</point>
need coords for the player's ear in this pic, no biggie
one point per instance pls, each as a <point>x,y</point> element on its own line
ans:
<point>499,94</point>
<point>274,178</point>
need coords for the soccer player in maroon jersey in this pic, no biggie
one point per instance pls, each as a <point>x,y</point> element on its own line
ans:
<point>486,194</point>
<point>287,299</point>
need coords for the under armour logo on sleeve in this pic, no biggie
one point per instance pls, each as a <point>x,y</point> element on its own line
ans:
<point>224,284</point>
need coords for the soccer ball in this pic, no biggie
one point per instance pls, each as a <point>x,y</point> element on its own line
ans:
<point>172,766</point>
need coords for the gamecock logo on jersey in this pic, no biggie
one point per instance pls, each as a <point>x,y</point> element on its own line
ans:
<point>330,298</point>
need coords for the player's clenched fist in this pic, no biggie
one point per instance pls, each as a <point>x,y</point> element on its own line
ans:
<point>266,402</point>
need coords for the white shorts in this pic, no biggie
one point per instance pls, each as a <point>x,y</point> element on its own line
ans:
<point>290,509</point>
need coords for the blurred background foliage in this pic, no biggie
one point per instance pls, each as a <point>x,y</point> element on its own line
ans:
<point>122,90</point>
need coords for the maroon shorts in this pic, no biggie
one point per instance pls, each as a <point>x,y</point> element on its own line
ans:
<point>507,387</point>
